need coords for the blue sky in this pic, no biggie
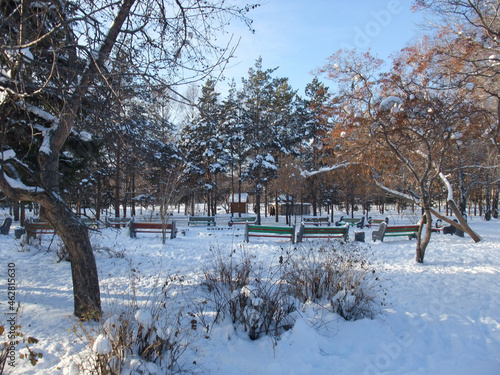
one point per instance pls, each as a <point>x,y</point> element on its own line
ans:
<point>297,36</point>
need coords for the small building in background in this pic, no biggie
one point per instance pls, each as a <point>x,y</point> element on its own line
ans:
<point>239,205</point>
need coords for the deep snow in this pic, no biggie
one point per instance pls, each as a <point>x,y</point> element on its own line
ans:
<point>441,317</point>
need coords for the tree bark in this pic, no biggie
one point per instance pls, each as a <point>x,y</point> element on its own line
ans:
<point>422,243</point>
<point>74,233</point>
<point>257,207</point>
<point>462,222</point>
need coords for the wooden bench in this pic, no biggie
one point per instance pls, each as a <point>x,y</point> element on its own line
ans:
<point>242,220</point>
<point>377,222</point>
<point>152,227</point>
<point>351,221</point>
<point>269,231</point>
<point>316,221</point>
<point>35,227</point>
<point>394,231</point>
<point>323,232</point>
<point>117,222</point>
<point>201,220</point>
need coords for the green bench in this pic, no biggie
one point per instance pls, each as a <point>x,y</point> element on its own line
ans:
<point>351,221</point>
<point>376,222</point>
<point>117,222</point>
<point>323,232</point>
<point>316,221</point>
<point>394,231</point>
<point>242,220</point>
<point>152,227</point>
<point>201,220</point>
<point>269,231</point>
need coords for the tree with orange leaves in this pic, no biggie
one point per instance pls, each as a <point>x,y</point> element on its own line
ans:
<point>468,32</point>
<point>401,124</point>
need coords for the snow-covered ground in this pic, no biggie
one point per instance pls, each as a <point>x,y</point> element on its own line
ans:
<point>441,317</point>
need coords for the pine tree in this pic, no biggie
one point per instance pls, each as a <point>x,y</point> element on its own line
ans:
<point>266,107</point>
<point>203,147</point>
<point>317,113</point>
<point>232,133</point>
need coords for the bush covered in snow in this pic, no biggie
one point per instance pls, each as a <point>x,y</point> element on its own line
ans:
<point>252,295</point>
<point>143,339</point>
<point>339,273</point>
<point>266,298</point>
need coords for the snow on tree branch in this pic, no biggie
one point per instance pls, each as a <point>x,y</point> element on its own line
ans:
<point>16,184</point>
<point>446,182</point>
<point>396,193</point>
<point>306,174</point>
<point>8,154</point>
<point>41,113</point>
<point>47,134</point>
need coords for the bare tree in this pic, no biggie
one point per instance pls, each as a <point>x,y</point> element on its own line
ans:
<point>53,54</point>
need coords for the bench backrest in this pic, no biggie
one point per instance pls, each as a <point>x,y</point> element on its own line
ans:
<point>33,227</point>
<point>201,218</point>
<point>152,227</point>
<point>401,229</point>
<point>394,230</point>
<point>323,232</point>
<point>333,230</point>
<point>269,231</point>
<point>117,221</point>
<point>146,225</point>
<point>376,222</point>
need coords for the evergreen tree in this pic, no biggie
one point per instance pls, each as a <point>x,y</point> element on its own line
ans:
<point>233,135</point>
<point>270,129</point>
<point>257,118</point>
<point>316,126</point>
<point>203,147</point>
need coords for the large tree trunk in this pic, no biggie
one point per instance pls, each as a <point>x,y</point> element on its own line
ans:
<point>487,198</point>
<point>117,182</point>
<point>422,243</point>
<point>495,201</point>
<point>98,198</point>
<point>74,233</point>
<point>462,189</point>
<point>132,195</point>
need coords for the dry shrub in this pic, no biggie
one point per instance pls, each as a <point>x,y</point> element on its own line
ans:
<point>249,293</point>
<point>143,338</point>
<point>339,273</point>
